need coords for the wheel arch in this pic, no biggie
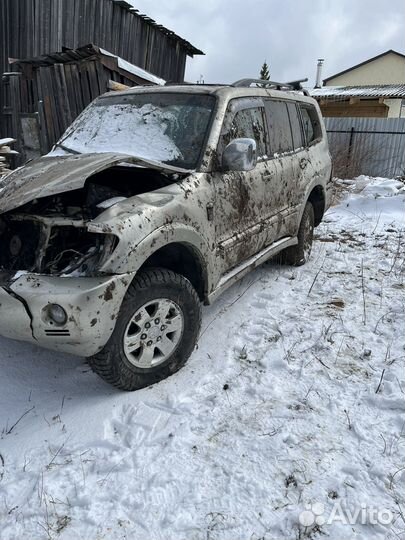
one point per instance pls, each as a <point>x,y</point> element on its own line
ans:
<point>184,259</point>
<point>317,198</point>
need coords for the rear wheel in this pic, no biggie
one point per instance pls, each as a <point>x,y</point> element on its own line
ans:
<point>299,254</point>
<point>156,331</point>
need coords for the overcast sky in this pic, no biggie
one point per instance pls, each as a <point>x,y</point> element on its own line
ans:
<point>237,36</point>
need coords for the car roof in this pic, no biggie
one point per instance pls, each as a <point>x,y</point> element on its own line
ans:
<point>225,91</point>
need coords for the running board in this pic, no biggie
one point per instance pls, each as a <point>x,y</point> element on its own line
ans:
<point>253,262</point>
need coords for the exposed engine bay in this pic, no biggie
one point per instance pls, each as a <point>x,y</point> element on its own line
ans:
<point>49,234</point>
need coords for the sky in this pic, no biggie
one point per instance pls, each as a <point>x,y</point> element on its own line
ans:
<point>238,36</point>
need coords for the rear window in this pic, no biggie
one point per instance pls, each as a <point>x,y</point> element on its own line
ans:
<point>311,124</point>
<point>280,136</point>
<point>295,125</point>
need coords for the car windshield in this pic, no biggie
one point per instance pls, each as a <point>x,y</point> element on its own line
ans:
<point>165,127</point>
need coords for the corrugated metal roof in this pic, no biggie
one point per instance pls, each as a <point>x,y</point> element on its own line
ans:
<point>372,91</point>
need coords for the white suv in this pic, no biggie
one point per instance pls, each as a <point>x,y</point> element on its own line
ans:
<point>157,199</point>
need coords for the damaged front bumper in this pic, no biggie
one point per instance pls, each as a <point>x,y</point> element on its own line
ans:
<point>91,304</point>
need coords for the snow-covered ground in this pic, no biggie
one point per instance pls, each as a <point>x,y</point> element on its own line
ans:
<point>295,396</point>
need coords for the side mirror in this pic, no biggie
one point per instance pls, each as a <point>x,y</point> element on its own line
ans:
<point>240,155</point>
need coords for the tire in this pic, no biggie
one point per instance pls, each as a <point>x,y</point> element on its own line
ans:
<point>156,331</point>
<point>299,254</point>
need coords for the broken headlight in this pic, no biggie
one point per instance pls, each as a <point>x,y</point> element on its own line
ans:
<point>52,245</point>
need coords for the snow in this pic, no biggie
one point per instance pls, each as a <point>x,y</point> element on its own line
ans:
<point>277,409</point>
<point>122,128</point>
<point>7,141</point>
<point>135,70</point>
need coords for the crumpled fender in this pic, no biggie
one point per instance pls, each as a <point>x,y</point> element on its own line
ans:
<point>129,255</point>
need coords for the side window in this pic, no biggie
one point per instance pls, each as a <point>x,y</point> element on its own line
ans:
<point>311,124</point>
<point>295,125</point>
<point>247,123</point>
<point>280,136</point>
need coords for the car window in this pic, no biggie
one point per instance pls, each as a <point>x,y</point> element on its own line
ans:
<point>311,124</point>
<point>280,136</point>
<point>159,126</point>
<point>247,123</point>
<point>295,125</point>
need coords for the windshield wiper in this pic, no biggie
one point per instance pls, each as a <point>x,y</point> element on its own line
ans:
<point>66,148</point>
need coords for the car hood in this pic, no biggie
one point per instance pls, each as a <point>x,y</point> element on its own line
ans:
<point>57,174</point>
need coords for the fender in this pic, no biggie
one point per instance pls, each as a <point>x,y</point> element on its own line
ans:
<point>314,184</point>
<point>137,254</point>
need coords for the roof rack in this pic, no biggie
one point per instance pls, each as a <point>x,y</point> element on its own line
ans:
<point>174,83</point>
<point>246,83</point>
<point>293,85</point>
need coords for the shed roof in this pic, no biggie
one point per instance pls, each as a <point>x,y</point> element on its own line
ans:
<point>132,71</point>
<point>370,91</point>
<point>390,51</point>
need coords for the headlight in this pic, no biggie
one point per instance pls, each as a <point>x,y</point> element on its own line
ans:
<point>72,249</point>
<point>53,245</point>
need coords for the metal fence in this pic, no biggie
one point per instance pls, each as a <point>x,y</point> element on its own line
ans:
<point>371,146</point>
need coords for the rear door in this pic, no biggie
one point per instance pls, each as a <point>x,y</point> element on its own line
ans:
<point>284,166</point>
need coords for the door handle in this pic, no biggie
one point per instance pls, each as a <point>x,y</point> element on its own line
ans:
<point>210,211</point>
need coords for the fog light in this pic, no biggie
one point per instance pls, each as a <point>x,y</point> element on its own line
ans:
<point>57,314</point>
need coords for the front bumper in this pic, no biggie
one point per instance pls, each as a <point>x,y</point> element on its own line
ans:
<point>92,306</point>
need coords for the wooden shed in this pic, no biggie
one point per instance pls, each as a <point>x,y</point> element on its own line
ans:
<point>50,73</point>
<point>42,96</point>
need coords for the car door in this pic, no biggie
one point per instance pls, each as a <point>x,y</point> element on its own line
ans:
<point>240,210</point>
<point>286,147</point>
<point>315,166</point>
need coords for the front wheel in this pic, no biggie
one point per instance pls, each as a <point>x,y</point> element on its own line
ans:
<point>156,331</point>
<point>299,254</point>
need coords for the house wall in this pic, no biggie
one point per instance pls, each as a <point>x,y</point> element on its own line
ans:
<point>370,108</point>
<point>395,109</point>
<point>365,108</point>
<point>388,69</point>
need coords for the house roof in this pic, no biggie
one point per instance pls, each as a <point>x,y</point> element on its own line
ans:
<point>390,51</point>
<point>191,50</point>
<point>370,91</point>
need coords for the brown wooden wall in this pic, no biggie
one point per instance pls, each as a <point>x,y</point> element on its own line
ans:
<point>30,28</point>
<point>52,96</point>
<point>370,108</point>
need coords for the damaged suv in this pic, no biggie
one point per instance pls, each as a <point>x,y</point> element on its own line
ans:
<point>154,201</point>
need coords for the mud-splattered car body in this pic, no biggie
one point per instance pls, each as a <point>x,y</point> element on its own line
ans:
<point>76,228</point>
